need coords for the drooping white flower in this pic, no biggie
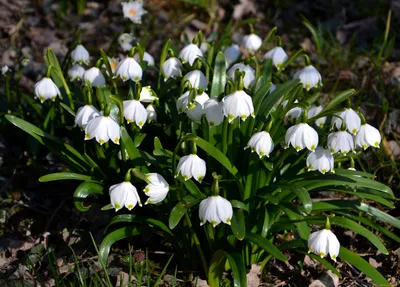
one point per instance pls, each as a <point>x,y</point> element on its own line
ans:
<point>151,114</point>
<point>128,68</point>
<point>172,68</point>
<point>76,72</point>
<point>146,58</point>
<point>261,143</point>
<point>134,11</point>
<point>238,104</point>
<point>4,69</point>
<point>251,42</point>
<point>215,209</point>
<point>45,89</point>
<point>157,189</point>
<point>125,41</point>
<point>367,136</point>
<point>94,77</point>
<point>213,110</point>
<point>351,119</point>
<point>134,111</point>
<point>191,166</point>
<point>232,54</point>
<point>103,129</point>
<point>84,115</point>
<point>249,76</point>
<point>309,77</point>
<point>197,79</point>
<point>301,136</point>
<point>340,141</point>
<point>80,55</point>
<point>193,109</point>
<point>278,56</point>
<point>321,160</point>
<point>190,53</point>
<point>293,113</point>
<point>124,194</point>
<point>315,110</point>
<point>146,95</point>
<point>323,242</point>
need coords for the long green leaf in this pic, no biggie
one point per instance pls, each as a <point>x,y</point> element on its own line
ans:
<point>219,77</point>
<point>238,225</point>
<point>176,214</point>
<point>266,245</point>
<point>84,190</point>
<point>216,268</point>
<point>291,212</point>
<point>238,269</point>
<point>64,176</point>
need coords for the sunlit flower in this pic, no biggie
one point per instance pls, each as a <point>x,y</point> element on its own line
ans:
<point>94,77</point>
<point>151,114</point>
<point>367,136</point>
<point>128,68</point>
<point>76,72</point>
<point>103,129</point>
<point>261,143</point>
<point>134,111</point>
<point>315,110</point>
<point>278,56</point>
<point>323,242</point>
<point>146,58</point>
<point>197,79</point>
<point>351,119</point>
<point>252,42</point>
<point>191,166</point>
<point>215,209</point>
<point>146,95</point>
<point>249,76</point>
<point>190,53</point>
<point>309,77</point>
<point>321,160</point>
<point>193,109</point>
<point>124,194</point>
<point>293,113</point>
<point>113,63</point>
<point>4,69</point>
<point>340,141</point>
<point>213,110</point>
<point>301,136</point>
<point>134,11</point>
<point>84,115</point>
<point>232,54</point>
<point>157,189</point>
<point>45,89</point>
<point>125,41</point>
<point>80,55</point>
<point>172,68</point>
<point>238,104</point>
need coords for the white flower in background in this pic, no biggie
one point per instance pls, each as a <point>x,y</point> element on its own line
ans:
<point>128,68</point>
<point>4,69</point>
<point>134,11</point>
<point>351,119</point>
<point>193,109</point>
<point>151,114</point>
<point>191,166</point>
<point>197,79</point>
<point>213,110</point>
<point>172,68</point>
<point>278,56</point>
<point>293,113</point>
<point>76,72</point>
<point>323,242</point>
<point>84,115</point>
<point>301,136</point>
<point>249,76</point>
<point>367,136</point>
<point>190,53</point>
<point>309,77</point>
<point>238,104</point>
<point>103,129</point>
<point>94,77</point>
<point>124,194</point>
<point>134,111</point>
<point>113,63</point>
<point>261,143</point>
<point>321,160</point>
<point>204,47</point>
<point>251,42</point>
<point>157,189</point>
<point>45,89</point>
<point>125,41</point>
<point>315,110</point>
<point>146,58</point>
<point>232,54</point>
<point>340,141</point>
<point>272,88</point>
<point>215,209</point>
<point>80,55</point>
<point>146,95</point>
<point>25,61</point>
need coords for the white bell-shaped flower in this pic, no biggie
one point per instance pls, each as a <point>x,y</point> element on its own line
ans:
<point>204,47</point>
<point>315,110</point>
<point>80,55</point>
<point>157,189</point>
<point>103,129</point>
<point>293,113</point>
<point>134,111</point>
<point>124,194</point>
<point>128,68</point>
<point>252,42</point>
<point>272,88</point>
<point>146,58</point>
<point>190,53</point>
<point>197,79</point>
<point>147,95</point>
<point>215,209</point>
<point>340,141</point>
<point>191,166</point>
<point>125,41</point>
<point>76,72</point>
<point>4,70</point>
<point>133,10</point>
<point>238,104</point>
<point>261,143</point>
<point>278,56</point>
<point>301,136</point>
<point>45,89</point>
<point>309,77</point>
<point>351,119</point>
<point>321,160</point>
<point>323,242</point>
<point>232,54</point>
<point>213,110</point>
<point>84,115</point>
<point>172,68</point>
<point>249,76</point>
<point>367,136</point>
<point>151,114</point>
<point>94,77</point>
<point>193,109</point>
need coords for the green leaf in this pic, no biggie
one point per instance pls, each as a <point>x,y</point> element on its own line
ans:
<point>68,109</point>
<point>340,97</point>
<point>323,262</point>
<point>296,54</point>
<point>237,224</point>
<point>64,176</point>
<point>193,189</point>
<point>261,92</point>
<point>302,227</point>
<point>216,268</point>
<point>84,190</point>
<point>266,245</point>
<point>176,214</point>
<point>238,204</point>
<point>219,77</point>
<point>238,269</point>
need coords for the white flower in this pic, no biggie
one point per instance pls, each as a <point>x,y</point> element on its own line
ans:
<point>157,190</point>
<point>45,89</point>
<point>134,11</point>
<point>278,56</point>
<point>323,242</point>
<point>351,119</point>
<point>321,160</point>
<point>232,54</point>
<point>252,42</point>
<point>315,110</point>
<point>309,77</point>
<point>128,68</point>
<point>172,68</point>
<point>103,129</point>
<point>238,104</point>
<point>261,143</point>
<point>272,88</point>
<point>293,113</point>
<point>146,58</point>
<point>191,166</point>
<point>76,72</point>
<point>125,41</point>
<point>367,136</point>
<point>80,55</point>
<point>213,110</point>
<point>301,136</point>
<point>124,194</point>
<point>340,141</point>
<point>151,114</point>
<point>134,111</point>
<point>249,76</point>
<point>204,47</point>
<point>146,95</point>
<point>4,69</point>
<point>94,77</point>
<point>190,53</point>
<point>113,63</point>
<point>197,79</point>
<point>25,62</point>
<point>84,115</point>
<point>215,209</point>
<point>193,109</point>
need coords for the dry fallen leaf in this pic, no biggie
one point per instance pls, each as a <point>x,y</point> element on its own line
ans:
<point>253,277</point>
